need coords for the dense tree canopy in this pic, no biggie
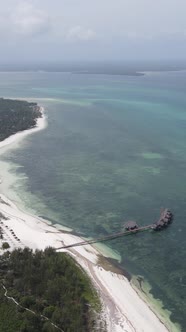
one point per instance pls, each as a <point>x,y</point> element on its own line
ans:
<point>50,284</point>
<point>17,115</point>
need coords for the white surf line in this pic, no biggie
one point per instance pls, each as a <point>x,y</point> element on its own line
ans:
<point>26,309</point>
<point>120,301</point>
<point>123,308</point>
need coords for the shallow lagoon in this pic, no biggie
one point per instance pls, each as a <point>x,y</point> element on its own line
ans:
<point>114,150</point>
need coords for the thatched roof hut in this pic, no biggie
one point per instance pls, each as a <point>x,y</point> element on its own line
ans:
<point>131,225</point>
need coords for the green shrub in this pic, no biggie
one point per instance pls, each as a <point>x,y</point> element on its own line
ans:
<point>5,245</point>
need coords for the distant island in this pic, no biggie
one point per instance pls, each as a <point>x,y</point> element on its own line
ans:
<point>17,115</point>
<point>104,67</point>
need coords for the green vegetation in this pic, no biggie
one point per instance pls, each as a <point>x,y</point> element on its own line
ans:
<point>50,284</point>
<point>5,245</point>
<point>16,115</point>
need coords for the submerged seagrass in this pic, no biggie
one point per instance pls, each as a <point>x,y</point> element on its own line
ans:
<point>114,150</point>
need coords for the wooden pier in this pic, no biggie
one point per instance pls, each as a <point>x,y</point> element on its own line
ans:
<point>130,228</point>
<point>107,237</point>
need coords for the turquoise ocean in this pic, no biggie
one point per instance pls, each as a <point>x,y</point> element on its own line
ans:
<point>114,150</point>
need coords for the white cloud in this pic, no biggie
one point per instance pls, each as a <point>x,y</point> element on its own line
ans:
<point>80,33</point>
<point>25,19</point>
<point>112,26</point>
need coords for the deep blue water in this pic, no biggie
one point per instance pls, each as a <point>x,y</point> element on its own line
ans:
<point>114,150</point>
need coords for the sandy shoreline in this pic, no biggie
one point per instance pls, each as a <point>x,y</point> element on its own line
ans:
<point>124,309</point>
<point>16,138</point>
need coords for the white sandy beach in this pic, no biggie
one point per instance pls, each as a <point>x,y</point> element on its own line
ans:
<point>124,309</point>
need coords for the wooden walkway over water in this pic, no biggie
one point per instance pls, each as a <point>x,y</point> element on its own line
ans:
<point>108,237</point>
<point>165,220</point>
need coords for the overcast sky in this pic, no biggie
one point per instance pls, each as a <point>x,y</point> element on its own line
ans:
<point>58,30</point>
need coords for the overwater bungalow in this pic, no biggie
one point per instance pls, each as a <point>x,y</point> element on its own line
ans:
<point>131,226</point>
<point>165,219</point>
